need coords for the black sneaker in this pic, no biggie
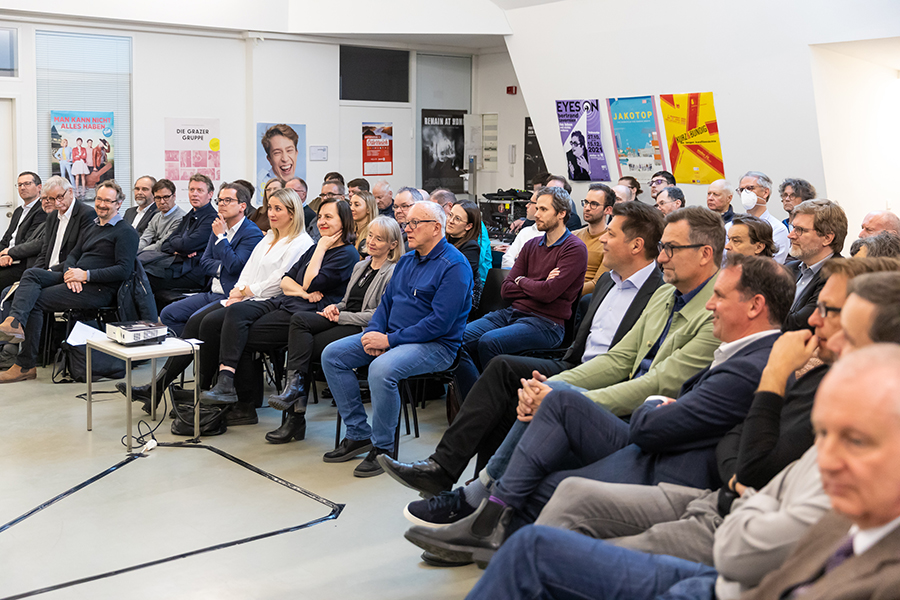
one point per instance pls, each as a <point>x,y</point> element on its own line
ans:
<point>369,467</point>
<point>440,510</point>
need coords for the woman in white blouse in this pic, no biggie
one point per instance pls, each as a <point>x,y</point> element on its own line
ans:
<point>260,279</point>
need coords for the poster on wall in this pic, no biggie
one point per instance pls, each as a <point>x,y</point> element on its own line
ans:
<point>534,158</point>
<point>81,145</point>
<point>192,146</point>
<point>378,149</point>
<point>579,126</point>
<point>692,136</point>
<point>281,152</point>
<point>443,149</point>
<point>636,135</point>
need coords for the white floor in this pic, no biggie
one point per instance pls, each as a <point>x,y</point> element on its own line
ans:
<point>178,500</point>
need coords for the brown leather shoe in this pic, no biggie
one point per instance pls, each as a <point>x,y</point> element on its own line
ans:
<point>16,373</point>
<point>11,333</point>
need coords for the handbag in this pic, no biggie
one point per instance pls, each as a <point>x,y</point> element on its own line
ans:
<point>70,365</point>
<point>212,418</point>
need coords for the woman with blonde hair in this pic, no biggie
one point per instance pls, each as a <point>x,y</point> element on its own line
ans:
<point>364,210</point>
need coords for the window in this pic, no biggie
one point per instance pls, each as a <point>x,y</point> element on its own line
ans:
<point>374,74</point>
<point>9,59</point>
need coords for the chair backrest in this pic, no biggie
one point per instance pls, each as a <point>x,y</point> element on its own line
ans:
<point>491,299</point>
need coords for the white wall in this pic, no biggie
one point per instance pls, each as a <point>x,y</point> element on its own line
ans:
<point>755,58</point>
<point>353,115</point>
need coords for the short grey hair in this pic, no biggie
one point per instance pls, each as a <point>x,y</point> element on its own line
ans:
<point>561,198</point>
<point>382,183</point>
<point>57,181</point>
<point>761,178</point>
<point>415,193</point>
<point>435,211</point>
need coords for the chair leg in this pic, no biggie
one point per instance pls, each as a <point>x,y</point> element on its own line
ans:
<point>337,431</point>
<point>396,451</point>
<point>404,402</point>
<point>311,383</point>
<point>415,418</point>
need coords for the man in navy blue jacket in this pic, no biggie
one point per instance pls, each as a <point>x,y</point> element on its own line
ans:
<point>177,264</point>
<point>227,251</point>
<point>668,440</point>
<point>416,329</point>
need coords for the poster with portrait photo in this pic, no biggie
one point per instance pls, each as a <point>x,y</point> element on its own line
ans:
<point>443,149</point>
<point>534,158</point>
<point>286,155</point>
<point>81,149</point>
<point>579,127</point>
<point>192,146</point>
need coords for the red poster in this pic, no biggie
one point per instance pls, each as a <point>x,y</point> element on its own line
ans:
<point>378,148</point>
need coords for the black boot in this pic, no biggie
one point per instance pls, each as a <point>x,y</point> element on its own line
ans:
<point>223,392</point>
<point>142,393</point>
<point>294,392</point>
<point>293,427</point>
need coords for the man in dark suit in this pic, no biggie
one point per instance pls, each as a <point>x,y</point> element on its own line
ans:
<point>26,219</point>
<point>818,232</point>
<point>668,440</point>
<point>630,249</point>
<point>177,264</point>
<point>140,214</point>
<point>64,226</point>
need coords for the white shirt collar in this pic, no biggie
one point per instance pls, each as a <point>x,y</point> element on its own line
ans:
<point>638,278</point>
<point>728,349</point>
<point>863,539</point>
<point>68,213</point>
<point>815,268</point>
<point>232,230</point>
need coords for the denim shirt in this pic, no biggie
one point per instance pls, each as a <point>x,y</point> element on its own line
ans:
<point>427,300</point>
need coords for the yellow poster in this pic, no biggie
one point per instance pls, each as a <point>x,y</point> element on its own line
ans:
<point>692,135</point>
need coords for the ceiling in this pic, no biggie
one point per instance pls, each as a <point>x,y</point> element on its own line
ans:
<point>884,51</point>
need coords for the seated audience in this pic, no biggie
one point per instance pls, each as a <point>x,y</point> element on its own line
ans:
<point>660,181</point>
<point>871,314</point>
<point>139,215</point>
<point>176,265</point>
<point>750,236</point>
<point>364,211</point>
<point>260,279</point>
<point>597,206</point>
<point>260,216</point>
<point>630,247</point>
<point>165,219</point>
<point>884,243</point>
<point>317,279</point>
<point>880,220</point>
<point>447,200</point>
<point>669,440</point>
<point>669,199</point>
<point>354,186</point>
<point>463,232</point>
<point>543,285</point>
<point>718,199</point>
<point>573,221</point>
<point>384,197</point>
<point>818,232</point>
<point>229,247</point>
<point>310,332</point>
<point>25,221</point>
<point>632,184</point>
<point>331,188</point>
<point>623,193</point>
<point>417,328</point>
<point>89,278</point>
<point>526,233</point>
<point>793,192</point>
<point>755,189</point>
<point>334,176</point>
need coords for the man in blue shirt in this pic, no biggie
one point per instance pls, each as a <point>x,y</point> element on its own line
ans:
<point>416,329</point>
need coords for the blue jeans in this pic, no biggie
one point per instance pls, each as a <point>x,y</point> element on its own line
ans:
<point>505,331</point>
<point>175,315</point>
<point>545,562</point>
<point>385,373</point>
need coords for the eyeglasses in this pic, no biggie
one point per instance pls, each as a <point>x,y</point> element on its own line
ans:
<point>670,248</point>
<point>749,188</point>
<point>21,185</point>
<point>801,230</point>
<point>226,201</point>
<point>657,181</point>
<point>416,222</point>
<point>788,196</point>
<point>402,206</point>
<point>532,203</point>
<point>330,195</point>
<point>592,204</point>
<point>823,309</point>
<point>163,198</point>
<point>57,198</point>
<point>454,219</point>
<point>100,200</point>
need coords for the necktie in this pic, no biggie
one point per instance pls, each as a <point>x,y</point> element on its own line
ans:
<point>843,552</point>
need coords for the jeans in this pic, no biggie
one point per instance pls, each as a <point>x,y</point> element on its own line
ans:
<point>385,373</point>
<point>505,331</point>
<point>175,315</point>
<point>543,562</point>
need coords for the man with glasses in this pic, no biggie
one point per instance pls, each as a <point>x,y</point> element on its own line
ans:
<point>793,192</point>
<point>669,200</point>
<point>165,220</point>
<point>89,278</point>
<point>754,191</point>
<point>416,329</point>
<point>403,203</point>
<point>144,207</point>
<point>660,181</point>
<point>597,206</point>
<point>818,232</point>
<point>526,233</point>
<point>26,219</point>
<point>175,265</point>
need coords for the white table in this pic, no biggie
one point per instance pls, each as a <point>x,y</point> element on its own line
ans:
<point>170,347</point>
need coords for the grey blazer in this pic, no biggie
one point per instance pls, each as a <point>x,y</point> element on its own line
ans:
<point>373,295</point>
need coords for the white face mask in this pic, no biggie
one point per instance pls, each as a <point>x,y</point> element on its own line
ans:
<point>749,200</point>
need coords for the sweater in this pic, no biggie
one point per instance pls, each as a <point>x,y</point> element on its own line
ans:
<point>106,252</point>
<point>331,280</point>
<point>595,266</point>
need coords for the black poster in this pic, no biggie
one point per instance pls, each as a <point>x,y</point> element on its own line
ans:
<point>443,149</point>
<point>534,159</point>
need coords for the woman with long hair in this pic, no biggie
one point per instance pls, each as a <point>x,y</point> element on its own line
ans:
<point>310,332</point>
<point>260,215</point>
<point>259,280</point>
<point>364,209</point>
<point>463,229</point>
<point>317,279</point>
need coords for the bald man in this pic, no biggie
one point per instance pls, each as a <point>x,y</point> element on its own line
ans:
<point>718,199</point>
<point>623,193</point>
<point>879,220</point>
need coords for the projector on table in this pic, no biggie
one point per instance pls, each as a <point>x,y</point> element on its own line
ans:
<point>136,333</point>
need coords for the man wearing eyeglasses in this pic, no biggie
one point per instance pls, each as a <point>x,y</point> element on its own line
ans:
<point>669,200</point>
<point>526,233</point>
<point>660,181</point>
<point>144,208</point>
<point>26,219</point>
<point>754,190</point>
<point>166,219</point>
<point>597,206</point>
<point>417,328</point>
<point>89,278</point>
